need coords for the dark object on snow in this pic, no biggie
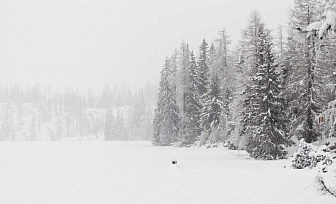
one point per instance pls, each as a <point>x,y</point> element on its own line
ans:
<point>174,162</point>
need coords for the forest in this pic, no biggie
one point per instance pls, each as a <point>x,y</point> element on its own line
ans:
<point>171,101</point>
<point>30,113</point>
<point>273,91</point>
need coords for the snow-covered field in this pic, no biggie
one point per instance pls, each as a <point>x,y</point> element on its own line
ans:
<point>137,172</point>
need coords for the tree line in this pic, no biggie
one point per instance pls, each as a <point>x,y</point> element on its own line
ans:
<point>267,91</point>
<point>41,113</point>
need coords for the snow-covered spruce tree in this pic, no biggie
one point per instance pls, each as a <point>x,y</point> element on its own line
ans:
<point>166,117</point>
<point>108,131</point>
<point>253,59</point>
<point>212,107</point>
<point>301,90</point>
<point>203,75</point>
<point>193,106</point>
<point>269,133</point>
<point>309,155</point>
<point>183,58</point>
<point>225,70</point>
<point>203,71</point>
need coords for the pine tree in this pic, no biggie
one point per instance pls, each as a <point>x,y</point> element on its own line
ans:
<point>302,97</point>
<point>269,131</point>
<point>192,105</point>
<point>203,76</point>
<point>181,86</point>
<point>203,69</point>
<point>212,107</point>
<point>182,74</point>
<point>167,118</point>
<point>253,59</point>
<point>225,71</point>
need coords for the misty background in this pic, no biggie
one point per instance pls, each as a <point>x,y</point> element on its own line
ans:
<point>70,67</point>
<point>86,44</point>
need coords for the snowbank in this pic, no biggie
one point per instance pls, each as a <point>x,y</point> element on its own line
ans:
<point>137,172</point>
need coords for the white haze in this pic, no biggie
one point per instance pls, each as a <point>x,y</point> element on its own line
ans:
<point>87,43</point>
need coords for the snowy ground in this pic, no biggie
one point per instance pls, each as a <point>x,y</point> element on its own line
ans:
<point>137,172</point>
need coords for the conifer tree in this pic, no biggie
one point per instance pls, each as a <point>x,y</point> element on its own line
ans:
<point>269,132</point>
<point>224,68</point>
<point>203,76</point>
<point>253,59</point>
<point>203,69</point>
<point>181,86</point>
<point>181,76</point>
<point>301,90</point>
<point>193,106</point>
<point>212,107</point>
<point>167,118</point>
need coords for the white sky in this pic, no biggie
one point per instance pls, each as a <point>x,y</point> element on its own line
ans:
<point>87,43</point>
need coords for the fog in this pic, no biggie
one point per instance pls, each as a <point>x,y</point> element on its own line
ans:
<point>86,43</point>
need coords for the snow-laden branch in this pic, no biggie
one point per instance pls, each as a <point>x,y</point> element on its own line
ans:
<point>327,22</point>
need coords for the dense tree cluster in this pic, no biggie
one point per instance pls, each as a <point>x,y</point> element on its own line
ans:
<point>273,87</point>
<point>35,113</point>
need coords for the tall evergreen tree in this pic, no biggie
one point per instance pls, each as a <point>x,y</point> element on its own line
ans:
<point>225,71</point>
<point>193,106</point>
<point>253,59</point>
<point>212,106</point>
<point>269,132</point>
<point>203,77</point>
<point>167,118</point>
<point>182,74</point>
<point>203,69</point>
<point>301,89</point>
<point>181,86</point>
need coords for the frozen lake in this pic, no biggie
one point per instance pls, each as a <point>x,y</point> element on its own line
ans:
<point>137,172</point>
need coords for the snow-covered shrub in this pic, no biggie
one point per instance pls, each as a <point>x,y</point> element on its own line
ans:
<point>309,155</point>
<point>321,157</point>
